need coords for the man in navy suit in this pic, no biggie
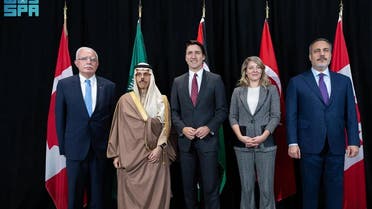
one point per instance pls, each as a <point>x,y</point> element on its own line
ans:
<point>320,112</point>
<point>199,107</point>
<point>84,107</point>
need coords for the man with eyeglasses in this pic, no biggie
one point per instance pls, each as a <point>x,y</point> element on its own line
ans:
<point>84,107</point>
<point>138,144</point>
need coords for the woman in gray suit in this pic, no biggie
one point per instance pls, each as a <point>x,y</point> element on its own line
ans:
<point>254,115</point>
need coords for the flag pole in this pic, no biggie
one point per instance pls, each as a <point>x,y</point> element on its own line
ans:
<point>139,9</point>
<point>267,10</point>
<point>341,10</point>
<point>139,51</point>
<point>65,19</point>
<point>203,15</point>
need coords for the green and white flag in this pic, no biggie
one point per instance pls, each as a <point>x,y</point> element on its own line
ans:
<point>138,55</point>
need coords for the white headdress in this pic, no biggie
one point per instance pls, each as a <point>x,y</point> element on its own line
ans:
<point>153,104</point>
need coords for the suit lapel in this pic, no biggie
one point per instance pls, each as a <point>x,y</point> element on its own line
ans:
<point>99,94</point>
<point>243,98</point>
<point>203,86</point>
<point>311,82</point>
<point>261,98</point>
<point>185,90</point>
<point>333,84</point>
<point>79,92</point>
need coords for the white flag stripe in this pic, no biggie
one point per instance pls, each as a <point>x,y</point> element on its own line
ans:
<point>347,72</point>
<point>65,73</point>
<point>205,66</point>
<point>272,74</point>
<point>54,162</point>
<point>351,161</point>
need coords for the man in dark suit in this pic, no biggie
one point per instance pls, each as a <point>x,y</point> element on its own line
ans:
<point>199,107</point>
<point>319,108</point>
<point>84,107</point>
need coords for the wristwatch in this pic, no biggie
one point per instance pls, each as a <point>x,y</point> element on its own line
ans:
<point>162,146</point>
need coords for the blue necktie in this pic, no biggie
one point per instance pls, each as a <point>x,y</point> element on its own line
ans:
<point>88,97</point>
<point>323,88</point>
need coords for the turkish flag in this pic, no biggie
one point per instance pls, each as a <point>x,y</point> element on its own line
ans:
<point>285,181</point>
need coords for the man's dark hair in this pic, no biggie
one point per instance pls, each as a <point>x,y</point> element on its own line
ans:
<point>320,39</point>
<point>195,42</point>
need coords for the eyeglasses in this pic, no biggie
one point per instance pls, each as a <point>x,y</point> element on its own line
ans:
<point>92,59</point>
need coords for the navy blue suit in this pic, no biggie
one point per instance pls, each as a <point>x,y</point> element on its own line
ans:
<point>83,139</point>
<point>320,131</point>
<point>210,111</point>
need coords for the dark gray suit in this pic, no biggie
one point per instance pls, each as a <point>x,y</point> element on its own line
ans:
<point>210,111</point>
<point>259,161</point>
<point>266,116</point>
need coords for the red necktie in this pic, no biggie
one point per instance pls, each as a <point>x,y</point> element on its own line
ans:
<point>194,89</point>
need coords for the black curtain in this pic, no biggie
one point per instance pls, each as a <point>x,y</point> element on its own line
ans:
<point>29,48</point>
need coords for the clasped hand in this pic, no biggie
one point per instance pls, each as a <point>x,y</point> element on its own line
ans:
<point>200,132</point>
<point>252,141</point>
<point>154,155</point>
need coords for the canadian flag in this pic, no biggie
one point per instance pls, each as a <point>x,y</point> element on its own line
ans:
<point>55,165</point>
<point>354,177</point>
<point>285,181</point>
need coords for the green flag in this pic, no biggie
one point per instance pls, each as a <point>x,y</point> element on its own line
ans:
<point>222,157</point>
<point>138,55</point>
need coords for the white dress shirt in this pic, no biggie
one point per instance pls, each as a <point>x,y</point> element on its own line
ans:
<point>93,84</point>
<point>199,78</point>
<point>253,95</point>
<point>326,78</point>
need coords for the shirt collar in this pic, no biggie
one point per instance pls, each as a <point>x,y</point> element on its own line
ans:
<point>316,73</point>
<point>199,73</point>
<point>92,79</point>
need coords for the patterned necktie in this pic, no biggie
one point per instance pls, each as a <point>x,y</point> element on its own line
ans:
<point>323,88</point>
<point>88,97</point>
<point>194,89</point>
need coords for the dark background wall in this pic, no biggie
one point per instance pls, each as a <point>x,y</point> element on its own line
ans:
<point>29,50</point>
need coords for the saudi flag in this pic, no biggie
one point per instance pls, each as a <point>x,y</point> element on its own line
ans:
<point>138,55</point>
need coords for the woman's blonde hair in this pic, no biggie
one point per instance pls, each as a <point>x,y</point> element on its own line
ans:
<point>244,81</point>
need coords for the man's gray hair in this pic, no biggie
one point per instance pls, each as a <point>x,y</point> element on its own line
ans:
<point>85,48</point>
